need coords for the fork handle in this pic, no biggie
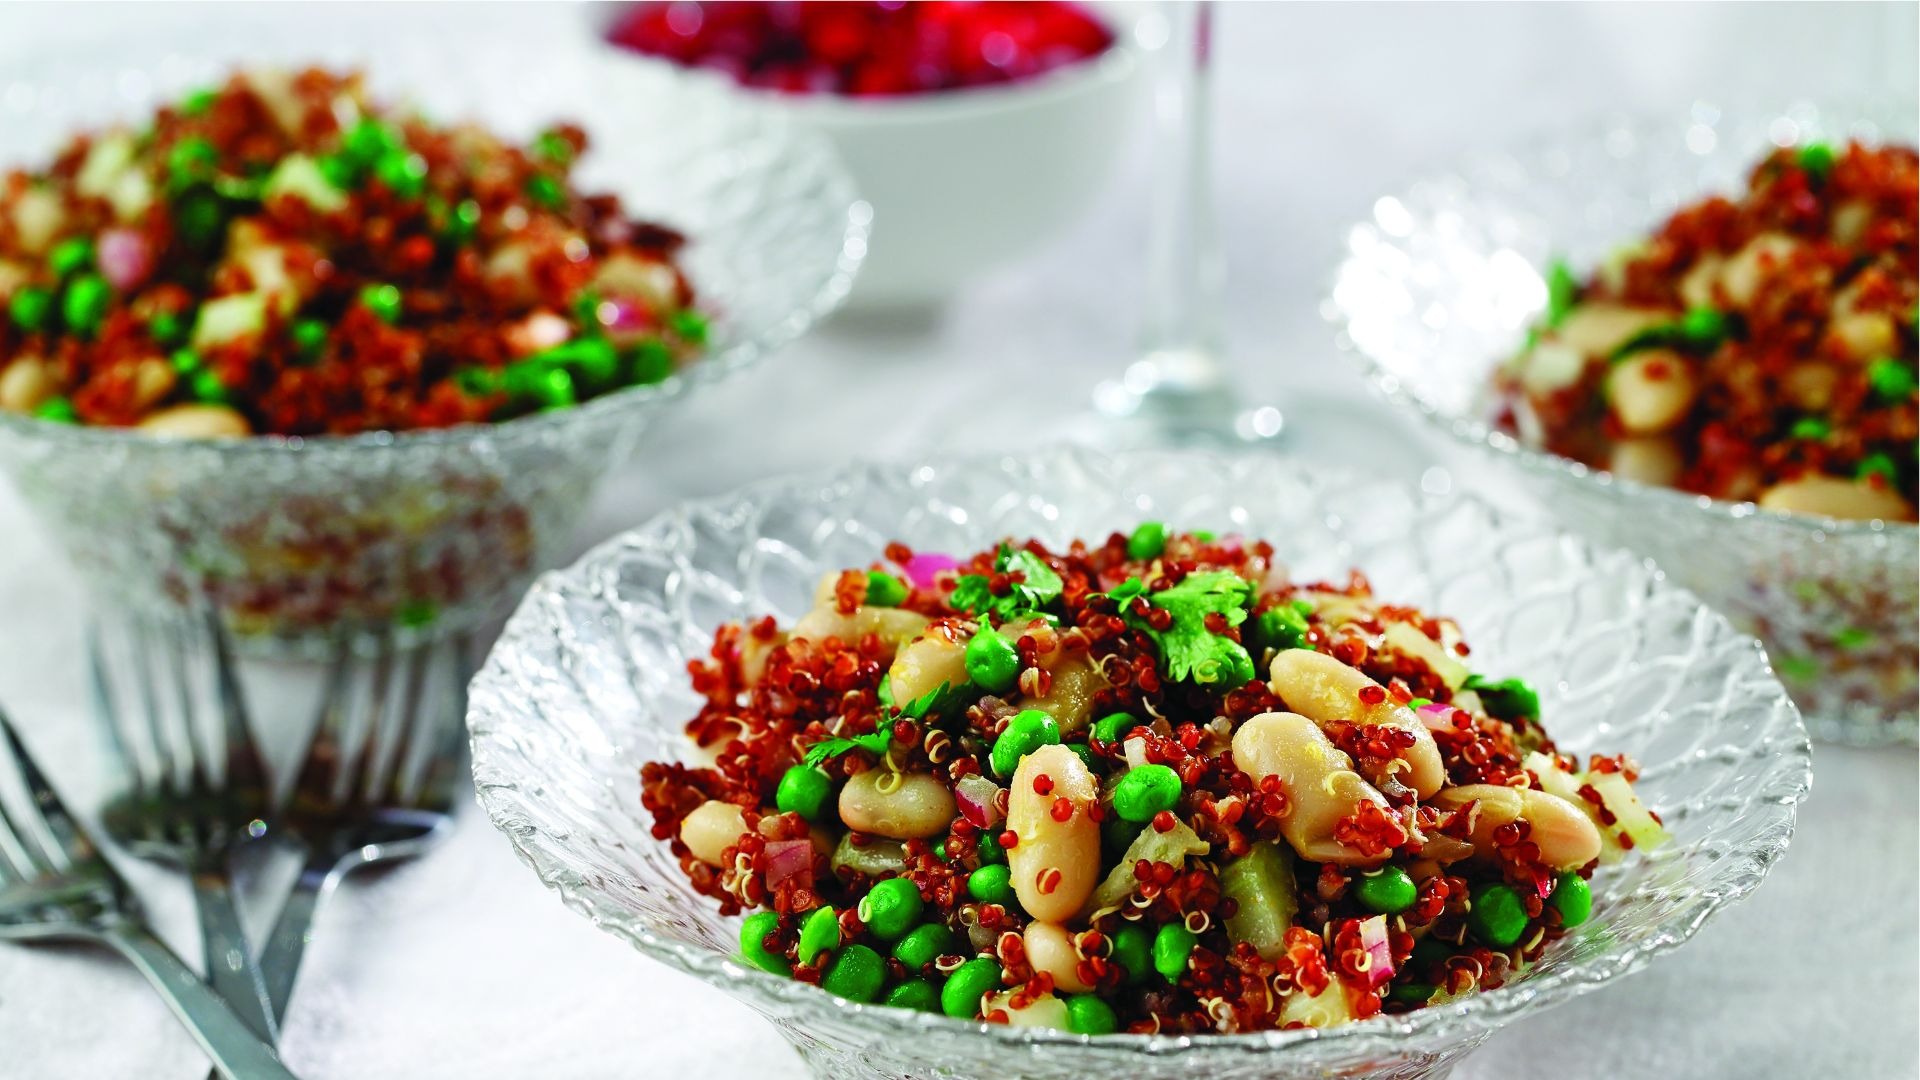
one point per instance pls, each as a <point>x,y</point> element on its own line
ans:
<point>230,964</point>
<point>236,1051</point>
<point>286,943</point>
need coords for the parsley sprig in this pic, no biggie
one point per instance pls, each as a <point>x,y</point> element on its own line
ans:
<point>1039,587</point>
<point>879,742</point>
<point>1188,650</point>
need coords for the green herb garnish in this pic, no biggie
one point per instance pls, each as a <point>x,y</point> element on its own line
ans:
<point>1562,291</point>
<point>1039,587</point>
<point>1506,699</point>
<point>1188,650</point>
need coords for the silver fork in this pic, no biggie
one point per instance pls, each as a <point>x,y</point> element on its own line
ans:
<point>361,797</point>
<point>184,813</point>
<point>55,885</point>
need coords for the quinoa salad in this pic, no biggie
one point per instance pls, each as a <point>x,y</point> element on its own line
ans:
<point>1760,347</point>
<point>1146,784</point>
<point>277,255</point>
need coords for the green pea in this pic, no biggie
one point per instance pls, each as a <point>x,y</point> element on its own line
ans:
<point>462,224</point>
<point>987,849</point>
<point>1703,326</point>
<point>691,325</point>
<point>70,256</point>
<point>554,147</point>
<point>890,908</point>
<point>960,997</point>
<point>191,159</point>
<point>914,994</point>
<point>1809,428</point>
<point>309,336</point>
<point>991,884</point>
<point>648,362</point>
<point>556,390</point>
<point>753,943</point>
<point>369,140</point>
<point>1145,791</point>
<point>1205,536</point>
<point>1428,954</point>
<point>992,662</point>
<point>803,790</point>
<point>383,300</point>
<point>199,102</point>
<point>885,590</point>
<point>1878,464</point>
<point>545,191</point>
<point>1083,752</point>
<point>198,220</point>
<point>1572,897</point>
<point>1816,159</point>
<point>857,974</point>
<point>1171,947</point>
<point>86,303</point>
<point>1412,993</point>
<point>185,361</point>
<point>592,360</point>
<point>1133,951</point>
<point>404,174</point>
<point>166,328</point>
<point>1088,1015</point>
<point>207,387</point>
<point>923,945</point>
<point>29,308</point>
<point>1892,380</point>
<point>1026,732</point>
<point>339,170</point>
<point>940,851</point>
<point>1498,917</point>
<point>1147,541</point>
<point>1110,728</point>
<point>1388,890</point>
<point>1117,833</point>
<point>59,410</point>
<point>818,934</point>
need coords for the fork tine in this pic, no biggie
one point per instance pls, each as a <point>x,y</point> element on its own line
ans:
<point>410,723</point>
<point>245,770</point>
<point>442,780</point>
<point>106,707</point>
<point>141,647</point>
<point>361,765</point>
<point>316,783</point>
<point>59,823</point>
<point>17,850</point>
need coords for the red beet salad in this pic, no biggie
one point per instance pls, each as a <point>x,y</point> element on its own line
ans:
<point>881,49</point>
<point>1753,348</point>
<point>1148,784</point>
<point>277,255</point>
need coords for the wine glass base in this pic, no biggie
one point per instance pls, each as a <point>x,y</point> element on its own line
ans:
<point>1123,417</point>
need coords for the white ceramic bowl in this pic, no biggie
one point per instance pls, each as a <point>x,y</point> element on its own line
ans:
<point>964,181</point>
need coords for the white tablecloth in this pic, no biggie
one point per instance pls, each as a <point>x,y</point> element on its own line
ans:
<point>464,966</point>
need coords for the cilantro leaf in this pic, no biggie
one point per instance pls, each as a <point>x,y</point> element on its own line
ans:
<point>880,741</point>
<point>1188,650</point>
<point>1041,586</point>
<point>877,742</point>
<point>1505,699</point>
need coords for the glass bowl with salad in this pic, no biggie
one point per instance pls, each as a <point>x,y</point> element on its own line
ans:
<point>279,340</point>
<point>1694,337</point>
<point>1161,764</point>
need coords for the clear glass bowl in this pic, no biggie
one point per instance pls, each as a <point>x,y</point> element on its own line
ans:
<point>1439,287</point>
<point>300,540</point>
<point>589,681</point>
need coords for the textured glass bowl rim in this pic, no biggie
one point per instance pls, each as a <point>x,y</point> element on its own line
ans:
<point>1479,433</point>
<point>1484,1011</point>
<point>631,401</point>
<point>1114,64</point>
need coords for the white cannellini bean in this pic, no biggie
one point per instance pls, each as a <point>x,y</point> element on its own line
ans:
<point>1319,780</point>
<point>1055,863</point>
<point>1651,391</point>
<point>893,626</point>
<point>1864,335</point>
<point>1598,328</point>
<point>25,383</point>
<point>1696,285</point>
<point>153,379</point>
<point>1564,833</point>
<point>924,663</point>
<point>1649,459</point>
<point>902,806</point>
<point>1050,949</point>
<point>711,829</point>
<point>1831,496</point>
<point>197,422</point>
<point>1810,386</point>
<point>1325,690</point>
<point>1763,256</point>
<point>1045,1011</point>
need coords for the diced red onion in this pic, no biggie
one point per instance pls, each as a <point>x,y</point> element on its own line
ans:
<point>788,859</point>
<point>1436,716</point>
<point>921,568</point>
<point>978,800</point>
<point>618,314</point>
<point>125,258</point>
<point>1373,938</point>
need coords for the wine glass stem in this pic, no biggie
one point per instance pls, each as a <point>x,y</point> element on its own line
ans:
<point>1185,270</point>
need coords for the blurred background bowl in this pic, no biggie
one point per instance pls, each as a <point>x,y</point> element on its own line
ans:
<point>299,541</point>
<point>1440,286</point>
<point>964,181</point>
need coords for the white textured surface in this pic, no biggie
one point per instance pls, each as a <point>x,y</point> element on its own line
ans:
<point>464,966</point>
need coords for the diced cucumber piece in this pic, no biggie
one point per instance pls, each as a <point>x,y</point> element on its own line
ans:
<point>1261,883</point>
<point>1171,847</point>
<point>299,176</point>
<point>1407,640</point>
<point>228,319</point>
